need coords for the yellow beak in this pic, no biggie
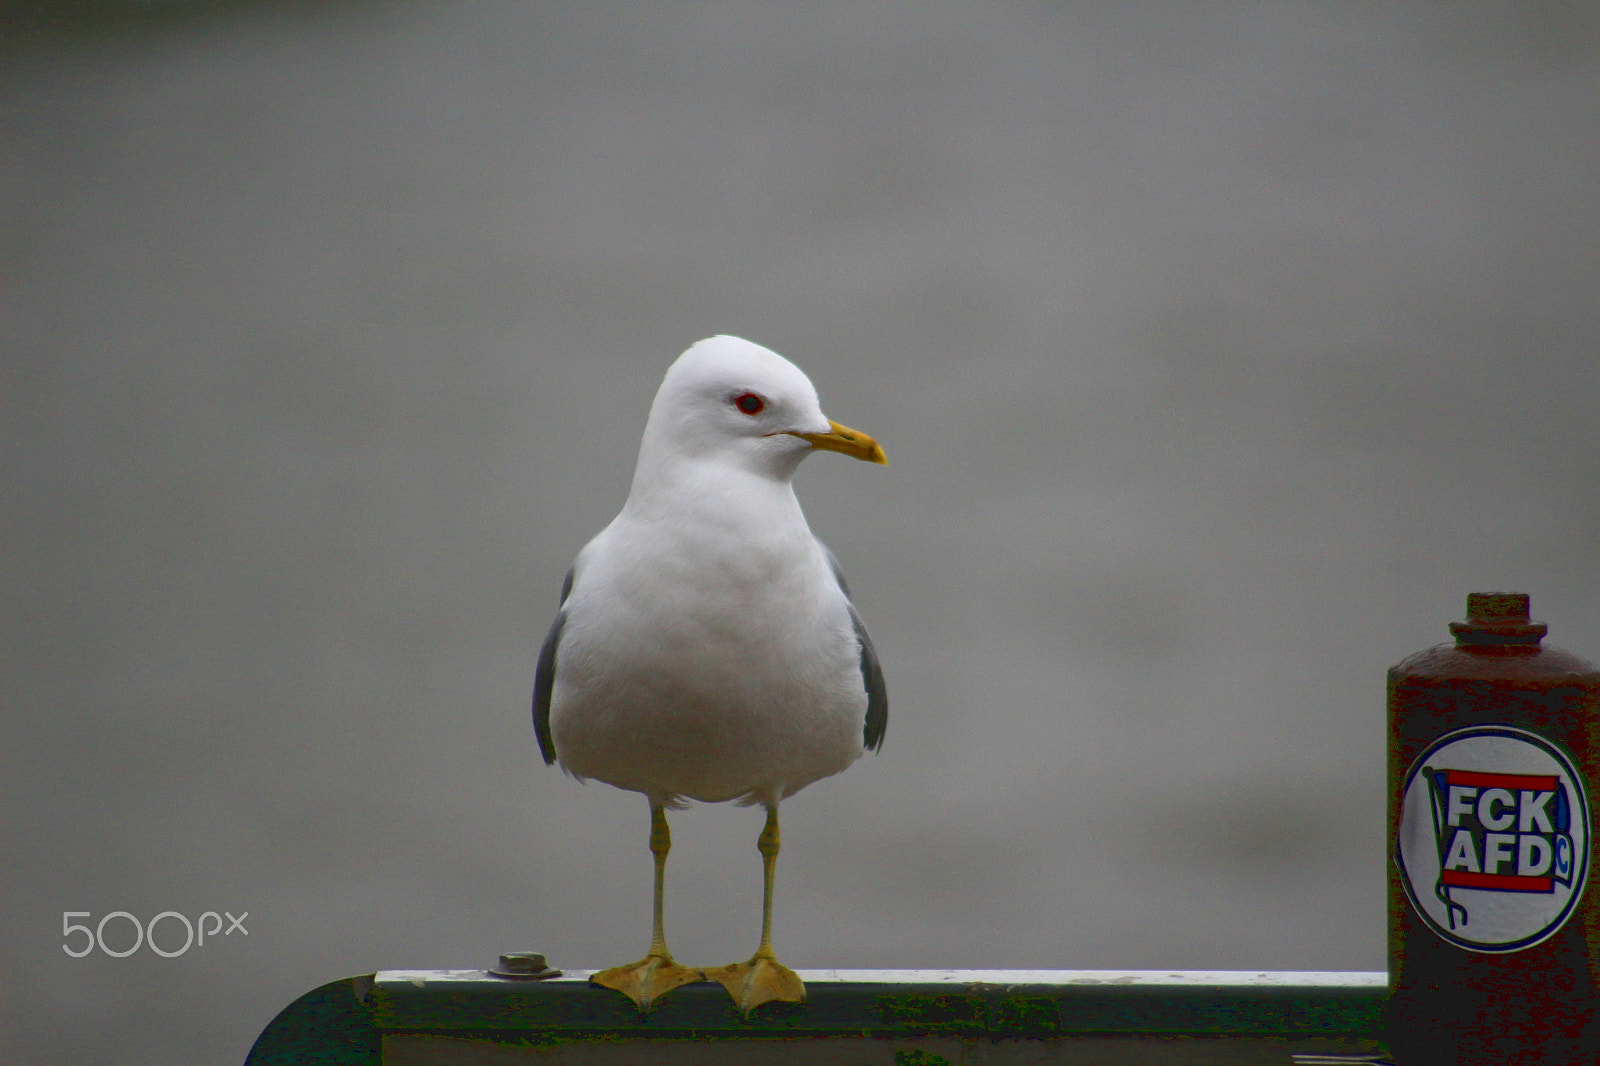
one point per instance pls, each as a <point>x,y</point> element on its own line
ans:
<point>849,441</point>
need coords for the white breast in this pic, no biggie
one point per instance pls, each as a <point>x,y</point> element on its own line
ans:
<point>713,659</point>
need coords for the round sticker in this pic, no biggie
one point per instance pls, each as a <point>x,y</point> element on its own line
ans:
<point>1493,843</point>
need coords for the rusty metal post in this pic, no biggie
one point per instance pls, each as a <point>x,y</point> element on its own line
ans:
<point>1494,913</point>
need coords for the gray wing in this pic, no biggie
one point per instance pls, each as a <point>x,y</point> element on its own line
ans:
<point>871,670</point>
<point>877,694</point>
<point>544,679</point>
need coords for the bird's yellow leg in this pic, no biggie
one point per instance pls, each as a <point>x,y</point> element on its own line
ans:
<point>657,973</point>
<point>763,978</point>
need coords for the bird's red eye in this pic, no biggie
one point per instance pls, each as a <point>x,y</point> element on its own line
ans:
<point>749,403</point>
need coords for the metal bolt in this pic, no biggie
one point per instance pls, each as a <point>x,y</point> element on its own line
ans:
<point>1498,618</point>
<point>524,966</point>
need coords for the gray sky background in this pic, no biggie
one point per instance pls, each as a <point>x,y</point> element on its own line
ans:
<point>1219,349</point>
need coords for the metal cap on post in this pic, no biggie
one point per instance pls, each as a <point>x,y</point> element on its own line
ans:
<point>1494,917</point>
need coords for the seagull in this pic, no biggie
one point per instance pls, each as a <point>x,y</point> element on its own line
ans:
<point>706,647</point>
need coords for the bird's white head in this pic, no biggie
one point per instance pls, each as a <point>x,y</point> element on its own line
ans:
<point>730,401</point>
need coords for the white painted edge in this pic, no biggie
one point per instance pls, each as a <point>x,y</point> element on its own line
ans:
<point>1144,978</point>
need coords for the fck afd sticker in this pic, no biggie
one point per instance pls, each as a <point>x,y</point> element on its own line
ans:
<point>1493,843</point>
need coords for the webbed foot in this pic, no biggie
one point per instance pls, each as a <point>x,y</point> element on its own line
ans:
<point>647,980</point>
<point>761,980</point>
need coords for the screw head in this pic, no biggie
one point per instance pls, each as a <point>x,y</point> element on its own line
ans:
<point>522,962</point>
<point>525,966</point>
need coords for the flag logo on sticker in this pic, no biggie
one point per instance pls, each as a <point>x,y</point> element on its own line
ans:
<point>1493,844</point>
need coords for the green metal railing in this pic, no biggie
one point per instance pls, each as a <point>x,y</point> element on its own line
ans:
<point>894,1017</point>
